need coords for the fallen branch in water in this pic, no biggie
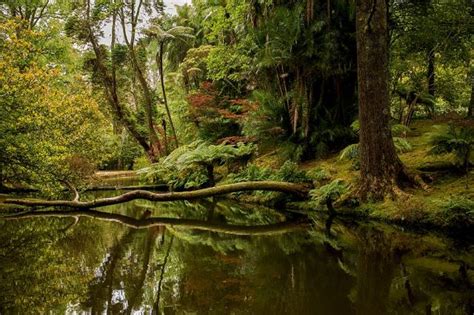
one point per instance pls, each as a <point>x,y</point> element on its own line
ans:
<point>143,223</point>
<point>291,188</point>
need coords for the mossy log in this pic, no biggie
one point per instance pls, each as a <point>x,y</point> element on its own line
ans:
<point>298,190</point>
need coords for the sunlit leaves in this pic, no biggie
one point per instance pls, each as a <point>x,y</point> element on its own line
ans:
<point>48,115</point>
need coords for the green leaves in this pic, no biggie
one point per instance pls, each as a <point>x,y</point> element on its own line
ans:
<point>331,191</point>
<point>186,167</point>
<point>51,124</point>
<point>456,140</point>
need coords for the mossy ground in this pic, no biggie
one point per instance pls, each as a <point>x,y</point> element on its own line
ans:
<point>448,187</point>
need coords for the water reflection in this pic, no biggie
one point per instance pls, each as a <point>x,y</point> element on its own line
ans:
<point>334,267</point>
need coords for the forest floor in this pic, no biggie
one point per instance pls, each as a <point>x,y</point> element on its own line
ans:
<point>448,203</point>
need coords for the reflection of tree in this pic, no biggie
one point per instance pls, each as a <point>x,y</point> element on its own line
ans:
<point>156,304</point>
<point>136,285</point>
<point>338,268</point>
<point>101,288</point>
<point>269,229</point>
<point>37,271</point>
<point>375,271</point>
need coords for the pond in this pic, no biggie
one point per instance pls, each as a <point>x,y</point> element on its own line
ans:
<point>104,264</point>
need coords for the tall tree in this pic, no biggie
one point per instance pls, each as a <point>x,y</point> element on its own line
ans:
<point>163,37</point>
<point>120,69</point>
<point>380,166</point>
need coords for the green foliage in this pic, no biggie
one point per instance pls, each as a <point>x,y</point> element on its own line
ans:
<point>351,152</point>
<point>187,166</point>
<point>227,63</point>
<point>51,123</point>
<point>402,145</point>
<point>319,174</point>
<point>329,192</point>
<point>120,152</point>
<point>288,172</point>
<point>399,130</point>
<point>456,213</point>
<point>456,140</point>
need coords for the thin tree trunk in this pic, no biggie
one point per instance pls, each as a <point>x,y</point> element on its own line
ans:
<point>470,111</point>
<point>430,75</point>
<point>163,90</point>
<point>380,166</point>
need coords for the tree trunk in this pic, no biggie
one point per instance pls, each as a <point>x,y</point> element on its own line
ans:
<point>163,91</point>
<point>470,111</point>
<point>430,75</point>
<point>379,164</point>
<point>291,188</point>
<point>109,84</point>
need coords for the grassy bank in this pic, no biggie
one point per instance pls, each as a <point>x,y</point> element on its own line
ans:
<point>447,203</point>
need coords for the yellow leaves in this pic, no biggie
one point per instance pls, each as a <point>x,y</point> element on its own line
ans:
<point>46,116</point>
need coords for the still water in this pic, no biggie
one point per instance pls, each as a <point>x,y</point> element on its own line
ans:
<point>64,265</point>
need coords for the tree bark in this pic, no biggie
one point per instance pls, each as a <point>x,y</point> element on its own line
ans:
<point>291,188</point>
<point>430,75</point>
<point>380,167</point>
<point>470,111</point>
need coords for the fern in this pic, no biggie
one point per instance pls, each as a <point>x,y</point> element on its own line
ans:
<point>458,141</point>
<point>332,191</point>
<point>351,152</point>
<point>191,166</point>
<point>399,130</point>
<point>402,145</point>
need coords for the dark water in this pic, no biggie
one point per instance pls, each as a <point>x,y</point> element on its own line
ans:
<point>341,267</point>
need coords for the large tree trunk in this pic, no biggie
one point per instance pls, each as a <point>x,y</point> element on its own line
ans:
<point>380,166</point>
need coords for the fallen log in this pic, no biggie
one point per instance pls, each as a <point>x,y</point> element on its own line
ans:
<point>143,223</point>
<point>299,190</point>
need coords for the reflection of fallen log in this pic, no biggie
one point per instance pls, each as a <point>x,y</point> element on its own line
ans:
<point>291,188</point>
<point>270,229</point>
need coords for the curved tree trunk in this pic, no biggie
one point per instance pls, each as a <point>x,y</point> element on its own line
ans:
<point>291,188</point>
<point>380,166</point>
